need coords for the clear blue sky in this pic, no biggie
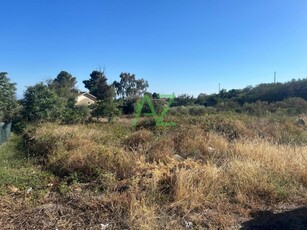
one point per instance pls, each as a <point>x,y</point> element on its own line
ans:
<point>178,46</point>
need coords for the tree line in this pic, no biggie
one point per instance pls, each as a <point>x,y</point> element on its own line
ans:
<point>55,100</point>
<point>289,97</point>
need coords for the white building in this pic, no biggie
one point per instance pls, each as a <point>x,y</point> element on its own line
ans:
<point>85,99</point>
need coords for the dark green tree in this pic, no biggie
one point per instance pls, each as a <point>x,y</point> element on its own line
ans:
<point>64,85</point>
<point>155,95</point>
<point>98,86</point>
<point>8,101</point>
<point>201,99</point>
<point>211,100</point>
<point>129,86</point>
<point>128,105</point>
<point>41,104</point>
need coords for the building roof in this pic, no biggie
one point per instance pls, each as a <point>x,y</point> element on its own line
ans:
<point>88,95</point>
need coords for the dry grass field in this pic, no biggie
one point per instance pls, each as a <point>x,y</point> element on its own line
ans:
<point>208,172</point>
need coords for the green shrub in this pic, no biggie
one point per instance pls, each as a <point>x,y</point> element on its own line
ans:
<point>18,124</point>
<point>128,106</point>
<point>107,109</point>
<point>76,115</point>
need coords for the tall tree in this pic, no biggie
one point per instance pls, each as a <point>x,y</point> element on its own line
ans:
<point>8,101</point>
<point>40,104</point>
<point>129,86</point>
<point>98,86</point>
<point>64,84</point>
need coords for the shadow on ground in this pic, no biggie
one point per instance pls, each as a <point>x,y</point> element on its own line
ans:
<point>294,219</point>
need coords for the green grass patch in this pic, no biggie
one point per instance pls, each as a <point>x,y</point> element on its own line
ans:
<point>17,171</point>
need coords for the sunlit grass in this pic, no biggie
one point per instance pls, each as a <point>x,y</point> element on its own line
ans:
<point>207,172</point>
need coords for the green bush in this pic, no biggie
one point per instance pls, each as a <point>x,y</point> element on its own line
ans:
<point>18,124</point>
<point>107,109</point>
<point>128,106</point>
<point>76,115</point>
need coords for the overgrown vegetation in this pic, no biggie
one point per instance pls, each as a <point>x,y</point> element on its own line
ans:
<point>209,171</point>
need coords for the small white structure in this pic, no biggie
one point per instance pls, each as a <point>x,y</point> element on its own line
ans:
<point>86,99</point>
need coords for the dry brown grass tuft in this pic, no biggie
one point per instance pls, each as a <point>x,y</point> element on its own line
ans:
<point>199,145</point>
<point>284,160</point>
<point>78,150</point>
<point>247,182</point>
<point>161,150</point>
<point>197,186</point>
<point>142,215</point>
<point>139,139</point>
